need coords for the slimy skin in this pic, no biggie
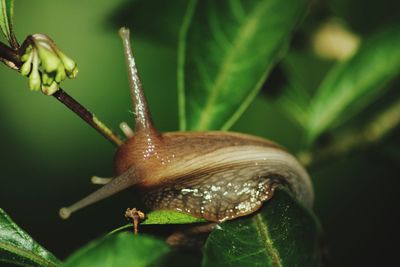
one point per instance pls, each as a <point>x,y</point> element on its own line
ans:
<point>217,176</point>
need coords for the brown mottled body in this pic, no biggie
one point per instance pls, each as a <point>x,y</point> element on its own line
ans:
<point>212,175</point>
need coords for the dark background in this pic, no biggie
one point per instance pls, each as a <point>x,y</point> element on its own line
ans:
<point>48,154</point>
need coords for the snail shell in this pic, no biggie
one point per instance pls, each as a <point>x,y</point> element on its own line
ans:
<point>212,175</point>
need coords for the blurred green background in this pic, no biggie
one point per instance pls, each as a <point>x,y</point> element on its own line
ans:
<point>48,154</point>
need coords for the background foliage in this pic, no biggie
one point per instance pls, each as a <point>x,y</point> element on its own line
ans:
<point>51,155</point>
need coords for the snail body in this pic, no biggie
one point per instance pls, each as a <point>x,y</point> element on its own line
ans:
<point>212,175</point>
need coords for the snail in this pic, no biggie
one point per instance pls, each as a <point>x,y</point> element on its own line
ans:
<point>213,175</point>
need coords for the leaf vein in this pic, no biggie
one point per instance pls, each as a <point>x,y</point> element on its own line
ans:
<point>262,229</point>
<point>239,41</point>
<point>181,62</point>
<point>26,254</point>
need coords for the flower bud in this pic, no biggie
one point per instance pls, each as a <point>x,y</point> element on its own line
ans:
<point>34,78</point>
<point>69,64</point>
<point>49,59</point>
<point>26,67</point>
<point>47,79</point>
<point>34,81</point>
<point>49,90</point>
<point>45,65</point>
<point>74,73</point>
<point>60,74</point>
<point>27,55</point>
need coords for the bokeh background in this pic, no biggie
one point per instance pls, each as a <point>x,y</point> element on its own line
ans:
<point>48,154</point>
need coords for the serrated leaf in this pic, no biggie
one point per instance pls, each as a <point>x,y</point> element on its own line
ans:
<point>226,49</point>
<point>17,247</point>
<point>6,19</point>
<point>352,85</point>
<point>123,249</point>
<point>282,233</point>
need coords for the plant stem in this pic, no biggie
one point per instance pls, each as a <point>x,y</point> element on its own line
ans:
<point>9,56</point>
<point>87,116</point>
<point>12,59</point>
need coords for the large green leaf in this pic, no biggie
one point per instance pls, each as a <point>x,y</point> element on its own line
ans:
<point>226,49</point>
<point>17,247</point>
<point>351,85</point>
<point>6,19</point>
<point>283,233</point>
<point>124,249</point>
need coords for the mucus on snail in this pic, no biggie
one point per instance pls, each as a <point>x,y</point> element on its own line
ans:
<point>214,175</point>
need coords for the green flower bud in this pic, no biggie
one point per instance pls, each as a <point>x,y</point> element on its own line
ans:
<point>74,73</point>
<point>49,90</point>
<point>49,59</point>
<point>47,79</point>
<point>34,81</point>
<point>69,64</point>
<point>26,67</point>
<point>34,78</point>
<point>45,65</point>
<point>60,75</point>
<point>27,55</point>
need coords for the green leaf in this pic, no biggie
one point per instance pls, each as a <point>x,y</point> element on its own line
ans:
<point>17,247</point>
<point>124,249</point>
<point>226,49</point>
<point>352,85</point>
<point>295,101</point>
<point>170,217</point>
<point>163,217</point>
<point>377,127</point>
<point>6,20</point>
<point>283,233</point>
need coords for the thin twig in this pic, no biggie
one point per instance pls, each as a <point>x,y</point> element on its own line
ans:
<point>87,116</point>
<point>11,58</point>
